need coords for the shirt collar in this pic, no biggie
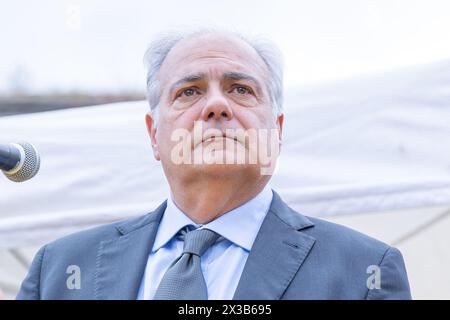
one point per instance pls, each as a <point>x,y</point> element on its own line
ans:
<point>240,225</point>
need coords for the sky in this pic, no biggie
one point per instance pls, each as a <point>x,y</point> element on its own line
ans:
<point>98,45</point>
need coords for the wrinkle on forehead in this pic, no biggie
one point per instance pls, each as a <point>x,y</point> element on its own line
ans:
<point>209,49</point>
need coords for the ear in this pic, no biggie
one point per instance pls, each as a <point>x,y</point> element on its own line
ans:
<point>280,119</point>
<point>151,129</point>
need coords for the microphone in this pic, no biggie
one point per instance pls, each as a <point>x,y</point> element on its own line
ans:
<point>19,161</point>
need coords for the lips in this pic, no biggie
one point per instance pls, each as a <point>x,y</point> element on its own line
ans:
<point>213,137</point>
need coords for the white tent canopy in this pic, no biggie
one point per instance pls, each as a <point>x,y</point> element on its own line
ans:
<point>372,153</point>
<point>364,145</point>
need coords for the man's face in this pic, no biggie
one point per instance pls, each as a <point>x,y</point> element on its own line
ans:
<point>217,85</point>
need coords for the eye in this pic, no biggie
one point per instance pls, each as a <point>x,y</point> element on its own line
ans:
<point>242,90</point>
<point>188,92</point>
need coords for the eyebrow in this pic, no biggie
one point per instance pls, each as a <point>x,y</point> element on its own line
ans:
<point>187,79</point>
<point>227,76</point>
<point>242,76</point>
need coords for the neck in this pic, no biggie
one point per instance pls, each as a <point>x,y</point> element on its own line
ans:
<point>204,201</point>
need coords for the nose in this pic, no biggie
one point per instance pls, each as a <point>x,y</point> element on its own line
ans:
<point>217,106</point>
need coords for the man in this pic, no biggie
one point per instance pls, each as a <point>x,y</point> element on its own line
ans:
<point>215,102</point>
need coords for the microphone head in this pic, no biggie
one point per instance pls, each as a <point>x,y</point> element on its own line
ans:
<point>29,164</point>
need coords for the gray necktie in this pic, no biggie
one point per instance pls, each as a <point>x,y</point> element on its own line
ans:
<point>184,279</point>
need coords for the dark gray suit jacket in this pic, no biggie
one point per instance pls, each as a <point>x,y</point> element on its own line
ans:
<point>293,257</point>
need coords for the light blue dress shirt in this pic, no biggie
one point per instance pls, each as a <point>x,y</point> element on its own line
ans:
<point>223,262</point>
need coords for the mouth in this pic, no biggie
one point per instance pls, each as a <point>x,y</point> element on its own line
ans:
<point>212,138</point>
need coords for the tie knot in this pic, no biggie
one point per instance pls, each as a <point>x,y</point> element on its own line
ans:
<point>198,241</point>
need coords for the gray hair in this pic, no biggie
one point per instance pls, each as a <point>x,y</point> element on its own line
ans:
<point>160,47</point>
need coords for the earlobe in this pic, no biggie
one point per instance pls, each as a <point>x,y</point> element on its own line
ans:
<point>156,153</point>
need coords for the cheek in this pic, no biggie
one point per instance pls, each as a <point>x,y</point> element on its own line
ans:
<point>255,118</point>
<point>181,119</point>
<point>162,137</point>
<point>170,127</point>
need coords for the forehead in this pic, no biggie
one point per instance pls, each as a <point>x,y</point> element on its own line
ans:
<point>213,55</point>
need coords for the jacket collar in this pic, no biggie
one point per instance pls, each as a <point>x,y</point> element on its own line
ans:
<point>277,254</point>
<point>121,261</point>
<point>279,245</point>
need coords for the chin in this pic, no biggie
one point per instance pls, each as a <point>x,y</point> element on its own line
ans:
<point>224,170</point>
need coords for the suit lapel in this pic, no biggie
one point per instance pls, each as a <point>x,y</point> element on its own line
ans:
<point>276,255</point>
<point>121,261</point>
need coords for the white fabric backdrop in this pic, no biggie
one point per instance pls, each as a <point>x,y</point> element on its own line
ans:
<point>370,144</point>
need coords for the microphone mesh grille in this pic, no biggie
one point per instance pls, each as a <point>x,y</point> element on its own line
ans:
<point>30,166</point>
